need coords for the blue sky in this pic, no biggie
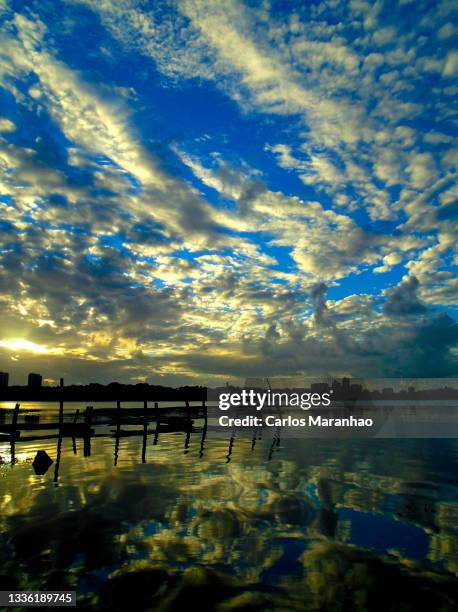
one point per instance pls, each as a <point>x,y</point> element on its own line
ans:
<point>199,191</point>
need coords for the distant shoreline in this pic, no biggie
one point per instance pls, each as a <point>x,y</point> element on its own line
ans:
<point>143,392</point>
<point>96,392</point>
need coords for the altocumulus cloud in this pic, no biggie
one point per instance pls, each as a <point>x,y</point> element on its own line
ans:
<point>198,191</point>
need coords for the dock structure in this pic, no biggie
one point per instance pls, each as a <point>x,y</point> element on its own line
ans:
<point>102,422</point>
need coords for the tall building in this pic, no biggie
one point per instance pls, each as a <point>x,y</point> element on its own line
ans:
<point>34,380</point>
<point>4,376</point>
<point>345,385</point>
<point>336,386</point>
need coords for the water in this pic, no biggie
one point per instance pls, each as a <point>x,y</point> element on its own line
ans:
<point>287,525</point>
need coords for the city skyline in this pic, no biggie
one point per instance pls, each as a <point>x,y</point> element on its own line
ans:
<point>200,191</point>
<point>344,386</point>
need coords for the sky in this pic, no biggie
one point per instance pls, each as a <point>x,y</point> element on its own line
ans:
<point>200,191</point>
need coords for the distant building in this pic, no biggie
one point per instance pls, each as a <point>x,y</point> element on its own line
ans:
<point>319,387</point>
<point>4,377</point>
<point>336,386</point>
<point>345,385</point>
<point>356,388</point>
<point>34,380</point>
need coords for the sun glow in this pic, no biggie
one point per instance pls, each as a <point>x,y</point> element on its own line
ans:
<point>26,345</point>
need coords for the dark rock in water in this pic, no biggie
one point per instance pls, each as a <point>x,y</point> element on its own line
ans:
<point>42,462</point>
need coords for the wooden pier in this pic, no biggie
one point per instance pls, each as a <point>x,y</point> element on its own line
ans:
<point>110,422</point>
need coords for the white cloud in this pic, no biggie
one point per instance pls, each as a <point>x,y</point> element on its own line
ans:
<point>6,125</point>
<point>422,170</point>
<point>451,64</point>
<point>446,31</point>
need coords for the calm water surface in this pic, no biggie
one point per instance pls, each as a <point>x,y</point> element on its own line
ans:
<point>248,524</point>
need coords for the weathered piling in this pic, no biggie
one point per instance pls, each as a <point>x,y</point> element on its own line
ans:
<point>118,418</point>
<point>156,433</point>
<point>14,434</point>
<point>170,419</point>
<point>118,432</point>
<point>204,431</point>
<point>15,418</point>
<point>87,436</point>
<point>145,430</point>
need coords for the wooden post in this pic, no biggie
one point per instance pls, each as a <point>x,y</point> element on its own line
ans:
<point>187,416</point>
<point>61,415</point>
<point>57,464</point>
<point>204,406</point>
<point>188,432</point>
<point>271,450</point>
<point>61,405</point>
<point>118,417</point>
<point>59,439</point>
<point>75,418</point>
<point>145,429</point>
<point>13,434</point>
<point>118,431</point>
<point>187,439</point>
<point>156,433</point>
<point>87,434</point>
<point>15,417</point>
<point>231,446</point>
<point>88,417</point>
<point>204,432</point>
<point>188,411</point>
<point>253,439</point>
